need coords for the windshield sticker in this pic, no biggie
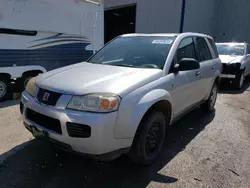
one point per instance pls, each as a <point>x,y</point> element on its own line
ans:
<point>169,41</point>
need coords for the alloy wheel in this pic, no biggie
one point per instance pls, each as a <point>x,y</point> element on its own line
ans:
<point>152,139</point>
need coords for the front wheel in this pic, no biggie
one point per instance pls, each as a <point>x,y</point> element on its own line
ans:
<point>208,106</point>
<point>239,81</point>
<point>149,139</point>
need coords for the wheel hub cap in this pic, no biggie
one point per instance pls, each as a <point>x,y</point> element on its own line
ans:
<point>152,140</point>
<point>213,97</point>
<point>241,80</point>
<point>3,89</point>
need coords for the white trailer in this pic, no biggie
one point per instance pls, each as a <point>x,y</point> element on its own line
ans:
<point>38,36</point>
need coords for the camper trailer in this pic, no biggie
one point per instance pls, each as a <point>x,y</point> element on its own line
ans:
<point>41,35</point>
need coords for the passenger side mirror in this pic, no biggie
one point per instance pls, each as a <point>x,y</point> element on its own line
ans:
<point>187,64</point>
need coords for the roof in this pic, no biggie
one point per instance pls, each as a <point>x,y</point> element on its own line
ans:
<point>151,35</point>
<point>165,34</point>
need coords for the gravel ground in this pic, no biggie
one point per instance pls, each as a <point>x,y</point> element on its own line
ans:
<point>201,151</point>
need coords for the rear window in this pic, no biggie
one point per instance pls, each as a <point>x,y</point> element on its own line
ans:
<point>17,32</point>
<point>211,41</point>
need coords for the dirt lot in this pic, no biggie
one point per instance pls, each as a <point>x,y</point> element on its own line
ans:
<point>201,151</point>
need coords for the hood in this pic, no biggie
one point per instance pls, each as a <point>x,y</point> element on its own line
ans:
<point>85,78</point>
<point>228,59</point>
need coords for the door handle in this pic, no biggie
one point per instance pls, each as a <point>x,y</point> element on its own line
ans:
<point>213,67</point>
<point>198,73</point>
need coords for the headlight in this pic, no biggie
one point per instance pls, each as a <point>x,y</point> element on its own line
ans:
<point>99,102</point>
<point>31,87</point>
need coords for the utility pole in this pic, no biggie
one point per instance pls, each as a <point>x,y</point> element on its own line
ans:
<point>96,18</point>
<point>183,9</point>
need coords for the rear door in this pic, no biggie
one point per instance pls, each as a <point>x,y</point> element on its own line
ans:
<point>186,83</point>
<point>207,66</point>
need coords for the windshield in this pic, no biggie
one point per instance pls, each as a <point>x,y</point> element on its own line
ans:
<point>231,49</point>
<point>141,52</point>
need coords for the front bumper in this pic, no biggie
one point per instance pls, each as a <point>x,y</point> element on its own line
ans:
<point>101,140</point>
<point>230,71</point>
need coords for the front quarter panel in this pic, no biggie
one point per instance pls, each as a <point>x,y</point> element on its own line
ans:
<point>243,63</point>
<point>134,105</point>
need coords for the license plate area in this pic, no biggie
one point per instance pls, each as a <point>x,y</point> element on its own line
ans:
<point>227,76</point>
<point>39,134</point>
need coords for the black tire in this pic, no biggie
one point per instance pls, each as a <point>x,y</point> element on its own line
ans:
<point>26,80</point>
<point>149,139</point>
<point>208,106</point>
<point>239,80</point>
<point>4,89</point>
<point>21,84</point>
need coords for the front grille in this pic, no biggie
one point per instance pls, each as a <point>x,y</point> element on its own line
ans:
<point>44,121</point>
<point>21,107</point>
<point>78,130</point>
<point>230,68</point>
<point>52,98</point>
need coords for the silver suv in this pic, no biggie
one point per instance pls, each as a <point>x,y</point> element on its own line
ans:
<point>124,97</point>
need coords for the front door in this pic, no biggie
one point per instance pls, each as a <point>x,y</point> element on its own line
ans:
<point>186,83</point>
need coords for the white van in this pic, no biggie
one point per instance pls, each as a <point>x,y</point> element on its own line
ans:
<point>38,36</point>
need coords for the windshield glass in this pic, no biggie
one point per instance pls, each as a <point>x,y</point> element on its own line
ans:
<point>142,52</point>
<point>231,49</point>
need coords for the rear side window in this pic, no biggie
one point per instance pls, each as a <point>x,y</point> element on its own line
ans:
<point>17,32</point>
<point>202,49</point>
<point>211,41</point>
<point>185,50</point>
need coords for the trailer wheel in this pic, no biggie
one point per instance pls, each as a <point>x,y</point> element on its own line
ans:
<point>25,81</point>
<point>4,88</point>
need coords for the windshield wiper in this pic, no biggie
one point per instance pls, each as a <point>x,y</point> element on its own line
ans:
<point>122,65</point>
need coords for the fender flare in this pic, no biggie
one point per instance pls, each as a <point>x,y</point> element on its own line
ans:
<point>128,130</point>
<point>18,71</point>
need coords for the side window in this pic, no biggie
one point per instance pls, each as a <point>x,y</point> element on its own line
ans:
<point>185,50</point>
<point>248,49</point>
<point>202,49</point>
<point>211,41</point>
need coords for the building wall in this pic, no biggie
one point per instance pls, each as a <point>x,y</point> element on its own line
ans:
<point>233,21</point>
<point>225,20</point>
<point>200,16</point>
<point>153,16</point>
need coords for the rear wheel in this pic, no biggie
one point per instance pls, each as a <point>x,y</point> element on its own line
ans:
<point>149,139</point>
<point>208,106</point>
<point>4,88</point>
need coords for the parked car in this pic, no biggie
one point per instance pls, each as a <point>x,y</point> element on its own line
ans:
<point>123,99</point>
<point>235,59</point>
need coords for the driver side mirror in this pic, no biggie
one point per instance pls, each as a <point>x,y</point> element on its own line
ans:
<point>187,64</point>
